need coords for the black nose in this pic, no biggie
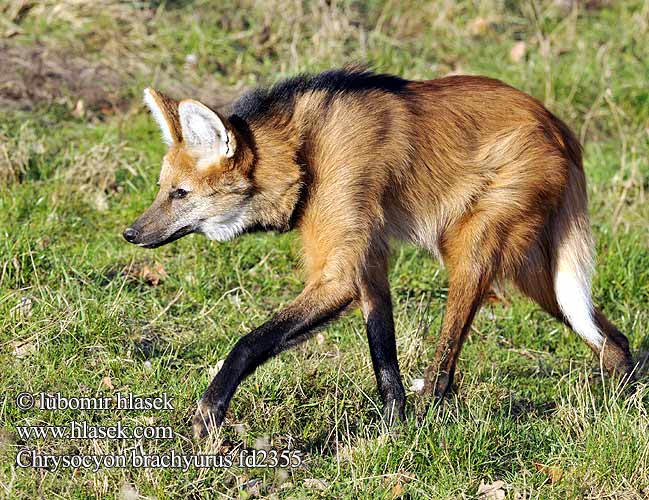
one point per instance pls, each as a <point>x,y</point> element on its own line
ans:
<point>130,234</point>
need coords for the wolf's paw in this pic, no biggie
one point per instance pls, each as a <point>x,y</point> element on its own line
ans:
<point>437,385</point>
<point>207,419</point>
<point>393,414</point>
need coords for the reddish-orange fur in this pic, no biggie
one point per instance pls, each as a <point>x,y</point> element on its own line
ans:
<point>472,169</point>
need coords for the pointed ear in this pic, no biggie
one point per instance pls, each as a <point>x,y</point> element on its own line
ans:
<point>202,127</point>
<point>165,112</point>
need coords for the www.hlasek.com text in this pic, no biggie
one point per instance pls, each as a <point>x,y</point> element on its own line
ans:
<point>83,430</point>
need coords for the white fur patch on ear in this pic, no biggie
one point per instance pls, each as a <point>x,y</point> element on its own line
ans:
<point>158,116</point>
<point>203,128</point>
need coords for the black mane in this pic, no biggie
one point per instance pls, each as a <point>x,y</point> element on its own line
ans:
<point>258,102</point>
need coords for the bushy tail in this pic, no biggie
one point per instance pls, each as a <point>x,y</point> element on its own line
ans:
<point>573,248</point>
<point>574,257</point>
<point>560,266</point>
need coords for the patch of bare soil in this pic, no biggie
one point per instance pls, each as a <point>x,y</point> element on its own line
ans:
<point>93,62</point>
<point>40,74</point>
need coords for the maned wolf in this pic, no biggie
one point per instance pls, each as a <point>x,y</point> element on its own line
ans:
<point>469,168</point>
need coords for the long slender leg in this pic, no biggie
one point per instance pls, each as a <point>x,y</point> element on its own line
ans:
<point>315,306</point>
<point>466,292</point>
<point>376,305</point>
<point>472,252</point>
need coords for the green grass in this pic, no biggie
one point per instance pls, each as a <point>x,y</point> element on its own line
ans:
<point>530,400</point>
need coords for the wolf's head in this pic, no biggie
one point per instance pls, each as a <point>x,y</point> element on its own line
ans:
<point>205,181</point>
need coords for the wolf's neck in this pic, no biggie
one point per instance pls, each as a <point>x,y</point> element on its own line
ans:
<point>278,171</point>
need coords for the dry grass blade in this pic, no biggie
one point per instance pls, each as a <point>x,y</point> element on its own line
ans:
<point>96,168</point>
<point>17,152</point>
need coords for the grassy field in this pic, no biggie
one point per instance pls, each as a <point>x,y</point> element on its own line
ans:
<point>85,314</point>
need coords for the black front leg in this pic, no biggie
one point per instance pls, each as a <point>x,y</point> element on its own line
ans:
<point>377,311</point>
<point>380,335</point>
<point>313,308</point>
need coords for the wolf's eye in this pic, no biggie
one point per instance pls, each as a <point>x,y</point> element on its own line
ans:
<point>178,194</point>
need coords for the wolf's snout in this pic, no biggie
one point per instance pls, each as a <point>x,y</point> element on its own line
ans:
<point>130,234</point>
